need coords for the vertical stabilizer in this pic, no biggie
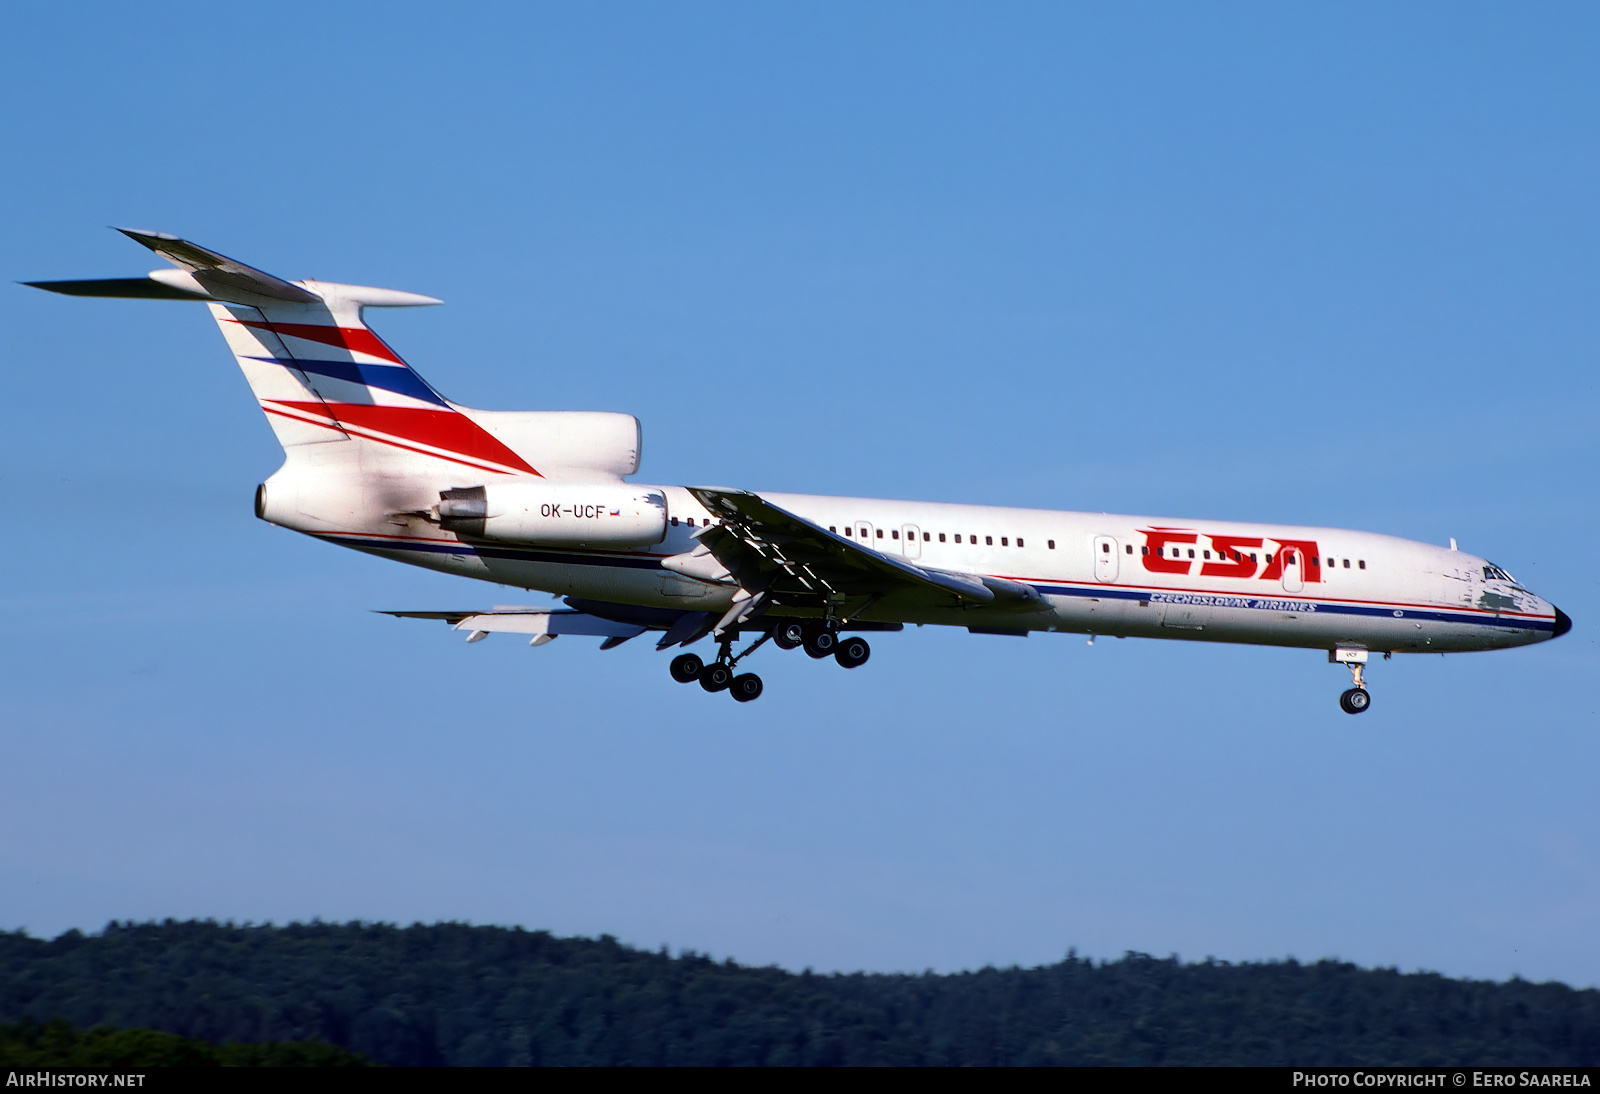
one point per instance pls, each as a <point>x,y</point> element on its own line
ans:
<point>318,371</point>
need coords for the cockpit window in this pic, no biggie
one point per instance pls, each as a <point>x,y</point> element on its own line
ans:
<point>1491,572</point>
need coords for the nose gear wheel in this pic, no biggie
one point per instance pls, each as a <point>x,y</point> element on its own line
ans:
<point>1355,701</point>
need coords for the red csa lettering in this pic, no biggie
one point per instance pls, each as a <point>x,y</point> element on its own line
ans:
<point>1235,561</point>
<point>1156,560</point>
<point>1304,550</point>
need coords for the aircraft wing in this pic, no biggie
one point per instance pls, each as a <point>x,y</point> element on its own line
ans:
<point>793,560</point>
<point>540,624</point>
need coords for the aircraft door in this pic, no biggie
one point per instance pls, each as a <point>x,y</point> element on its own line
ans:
<point>864,534</point>
<point>1105,558</point>
<point>1294,569</point>
<point>911,540</point>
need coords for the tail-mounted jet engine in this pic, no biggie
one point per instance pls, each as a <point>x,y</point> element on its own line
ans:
<point>614,515</point>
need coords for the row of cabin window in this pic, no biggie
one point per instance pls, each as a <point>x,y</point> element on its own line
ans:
<point>1361,563</point>
<point>927,537</point>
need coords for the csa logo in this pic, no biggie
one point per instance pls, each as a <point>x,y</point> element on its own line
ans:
<point>1181,550</point>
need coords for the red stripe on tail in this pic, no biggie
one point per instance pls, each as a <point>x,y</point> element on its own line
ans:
<point>355,339</point>
<point>445,429</point>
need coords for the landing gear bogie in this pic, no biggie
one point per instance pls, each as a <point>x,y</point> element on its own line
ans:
<point>819,639</point>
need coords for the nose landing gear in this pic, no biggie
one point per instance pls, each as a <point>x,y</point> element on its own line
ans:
<point>1356,700</point>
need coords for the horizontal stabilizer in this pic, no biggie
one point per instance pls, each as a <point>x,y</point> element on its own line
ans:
<point>138,288</point>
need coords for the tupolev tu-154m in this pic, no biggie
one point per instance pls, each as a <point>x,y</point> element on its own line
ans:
<point>377,460</point>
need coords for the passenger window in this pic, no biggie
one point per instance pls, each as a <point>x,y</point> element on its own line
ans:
<point>1003,542</point>
<point>1205,554</point>
<point>1019,541</point>
<point>958,537</point>
<point>1362,564</point>
<point>1347,564</point>
<point>831,528</point>
<point>674,522</point>
<point>1191,552</point>
<point>880,533</point>
<point>1315,560</point>
<point>1252,556</point>
<point>926,536</point>
<point>847,530</point>
<point>941,537</point>
<point>988,541</point>
<point>894,534</point>
<point>1051,544</point>
<point>1128,548</point>
<point>1269,558</point>
<point>1105,548</point>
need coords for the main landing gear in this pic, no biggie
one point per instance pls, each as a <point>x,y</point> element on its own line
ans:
<point>818,641</point>
<point>1356,700</point>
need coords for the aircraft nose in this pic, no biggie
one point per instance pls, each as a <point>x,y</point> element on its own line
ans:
<point>1563,623</point>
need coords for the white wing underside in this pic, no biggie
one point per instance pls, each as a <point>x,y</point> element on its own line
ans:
<point>541,625</point>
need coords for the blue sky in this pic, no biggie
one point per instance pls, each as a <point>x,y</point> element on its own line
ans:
<point>1313,264</point>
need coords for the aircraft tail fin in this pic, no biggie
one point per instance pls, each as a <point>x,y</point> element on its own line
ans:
<point>318,371</point>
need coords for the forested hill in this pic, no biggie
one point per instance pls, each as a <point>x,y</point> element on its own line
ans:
<point>455,994</point>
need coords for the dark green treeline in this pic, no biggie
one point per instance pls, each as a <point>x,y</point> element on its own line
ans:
<point>57,1044</point>
<point>455,994</point>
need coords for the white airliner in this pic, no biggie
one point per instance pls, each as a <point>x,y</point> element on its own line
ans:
<point>379,461</point>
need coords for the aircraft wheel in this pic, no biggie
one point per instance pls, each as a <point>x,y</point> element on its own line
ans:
<point>1355,701</point>
<point>822,644</point>
<point>853,652</point>
<point>745,688</point>
<point>716,677</point>
<point>788,636</point>
<point>685,667</point>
